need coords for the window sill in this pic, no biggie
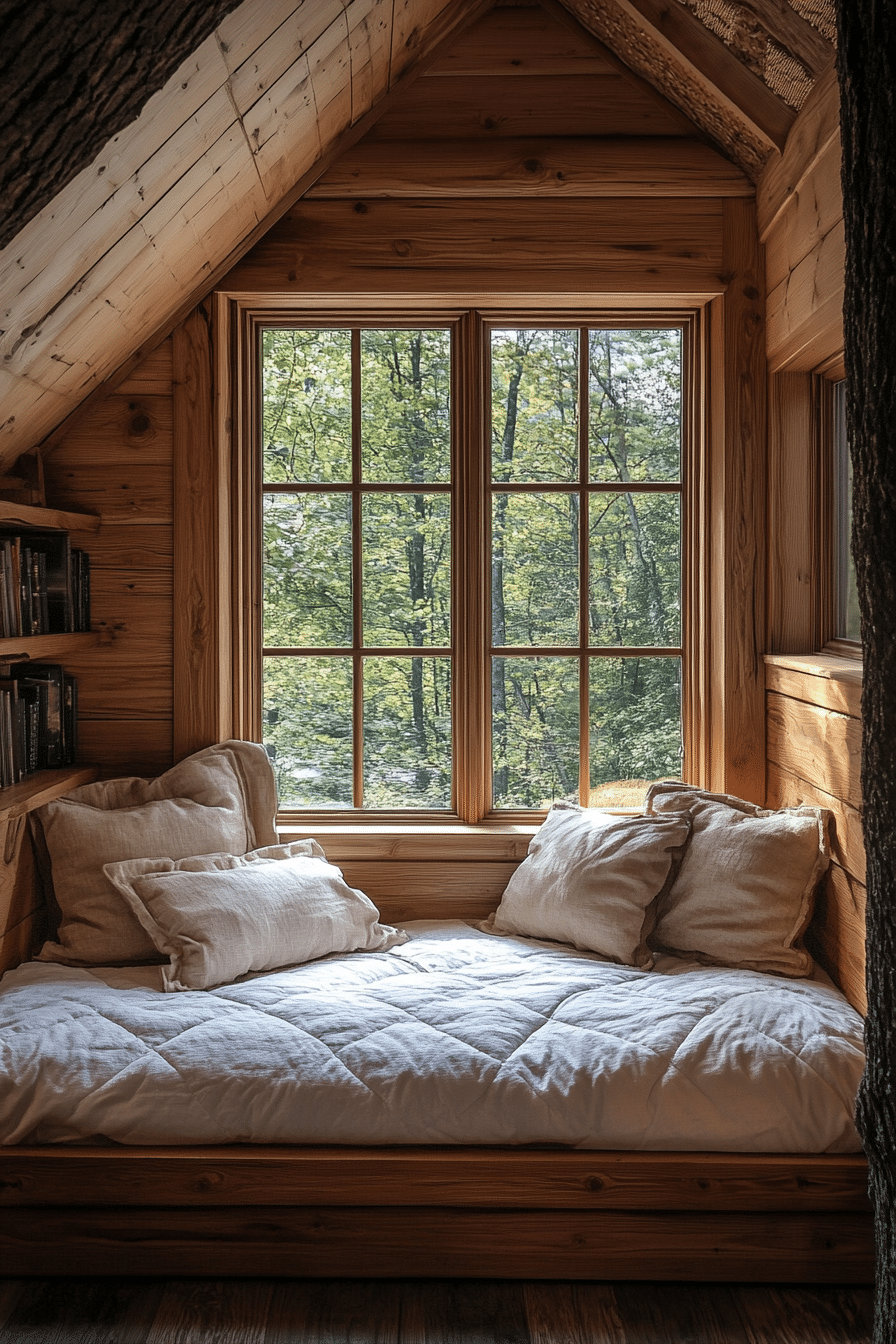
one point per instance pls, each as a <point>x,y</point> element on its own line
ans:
<point>827,679</point>
<point>833,666</point>
<point>409,841</point>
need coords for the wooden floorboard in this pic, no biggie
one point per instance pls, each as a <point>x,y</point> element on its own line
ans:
<point>425,1311</point>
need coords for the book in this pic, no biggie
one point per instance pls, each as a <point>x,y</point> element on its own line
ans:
<point>51,752</point>
<point>37,584</point>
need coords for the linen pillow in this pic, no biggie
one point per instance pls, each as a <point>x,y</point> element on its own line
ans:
<point>589,879</point>
<point>744,893</point>
<point>221,916</point>
<point>220,799</point>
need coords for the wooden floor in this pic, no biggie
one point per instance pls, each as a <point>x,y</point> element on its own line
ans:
<point>333,1311</point>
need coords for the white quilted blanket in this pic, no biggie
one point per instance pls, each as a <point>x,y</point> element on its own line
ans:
<point>455,1037</point>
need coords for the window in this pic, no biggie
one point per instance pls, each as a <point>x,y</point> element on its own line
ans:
<point>846,600</point>
<point>471,561</point>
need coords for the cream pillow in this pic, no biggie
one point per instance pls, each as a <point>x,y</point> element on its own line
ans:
<point>589,880</point>
<point>744,893</point>
<point>221,916</point>
<point>222,799</point>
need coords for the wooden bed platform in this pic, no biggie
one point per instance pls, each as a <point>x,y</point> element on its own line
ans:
<point>446,1212</point>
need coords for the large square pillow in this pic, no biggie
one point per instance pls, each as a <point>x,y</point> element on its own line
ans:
<point>222,799</point>
<point>589,879</point>
<point>220,916</point>
<point>745,890</point>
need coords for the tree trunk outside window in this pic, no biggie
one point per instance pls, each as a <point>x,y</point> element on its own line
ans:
<point>867,41</point>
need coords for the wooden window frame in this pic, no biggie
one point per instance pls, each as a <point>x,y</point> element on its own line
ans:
<point>827,379</point>
<point>726,599</point>
<point>471,540</point>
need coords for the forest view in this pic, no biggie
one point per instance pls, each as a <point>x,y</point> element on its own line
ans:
<point>585,571</point>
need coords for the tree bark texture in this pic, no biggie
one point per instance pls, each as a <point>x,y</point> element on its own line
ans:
<point>74,74</point>
<point>867,42</point>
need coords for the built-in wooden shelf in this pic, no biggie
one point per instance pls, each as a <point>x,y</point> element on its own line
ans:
<point>43,787</point>
<point>46,648</point>
<point>32,515</point>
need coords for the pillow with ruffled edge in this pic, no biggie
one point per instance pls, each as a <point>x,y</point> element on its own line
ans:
<point>221,916</point>
<point>590,879</point>
<point>220,799</point>
<point>745,891</point>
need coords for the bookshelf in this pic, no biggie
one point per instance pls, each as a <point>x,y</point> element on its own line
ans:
<point>44,785</point>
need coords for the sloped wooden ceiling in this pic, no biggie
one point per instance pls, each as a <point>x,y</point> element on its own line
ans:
<point>259,110</point>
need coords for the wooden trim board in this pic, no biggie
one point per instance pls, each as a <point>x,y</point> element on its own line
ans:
<point>464,1212</point>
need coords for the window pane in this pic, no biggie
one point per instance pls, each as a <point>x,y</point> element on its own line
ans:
<point>407,732</point>
<point>306,406</point>
<point>849,623</point>
<point>307,727</point>
<point>634,719</point>
<point>535,731</point>
<point>635,569</point>
<point>407,570</point>
<point>535,405</point>
<point>307,570</point>
<point>535,569</point>
<point>405,406</point>
<point>635,405</point>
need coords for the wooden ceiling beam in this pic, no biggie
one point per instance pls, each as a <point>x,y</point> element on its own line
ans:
<point>791,31</point>
<point>690,48</point>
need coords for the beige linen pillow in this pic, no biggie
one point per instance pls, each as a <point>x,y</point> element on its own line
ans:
<point>589,879</point>
<point>221,916</point>
<point>222,799</point>
<point>744,893</point>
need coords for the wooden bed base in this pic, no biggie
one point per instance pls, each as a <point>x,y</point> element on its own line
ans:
<point>434,1212</point>
<point>443,1212</point>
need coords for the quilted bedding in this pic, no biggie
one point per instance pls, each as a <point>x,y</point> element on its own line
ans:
<point>457,1036</point>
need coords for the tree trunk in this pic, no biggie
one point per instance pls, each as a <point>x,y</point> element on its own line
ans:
<point>83,71</point>
<point>867,40</point>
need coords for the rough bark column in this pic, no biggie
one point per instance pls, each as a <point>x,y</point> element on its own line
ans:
<point>867,40</point>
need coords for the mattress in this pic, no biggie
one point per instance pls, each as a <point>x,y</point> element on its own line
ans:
<point>455,1037</point>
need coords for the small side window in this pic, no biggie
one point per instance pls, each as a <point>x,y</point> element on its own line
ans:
<point>846,603</point>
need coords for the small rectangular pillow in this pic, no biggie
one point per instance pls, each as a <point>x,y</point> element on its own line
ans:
<point>220,799</point>
<point>589,880</point>
<point>744,893</point>
<point>220,916</point>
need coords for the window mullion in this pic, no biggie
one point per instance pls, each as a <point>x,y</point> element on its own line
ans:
<point>471,572</point>
<point>584,560</point>
<point>357,590</point>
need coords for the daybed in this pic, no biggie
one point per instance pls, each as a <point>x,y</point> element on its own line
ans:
<point>226,1062</point>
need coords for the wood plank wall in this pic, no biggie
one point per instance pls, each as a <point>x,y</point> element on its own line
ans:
<point>814,757</point>
<point>813,710</point>
<point>116,461</point>
<point>800,208</point>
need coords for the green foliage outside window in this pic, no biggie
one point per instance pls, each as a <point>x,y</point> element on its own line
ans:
<point>377,583</point>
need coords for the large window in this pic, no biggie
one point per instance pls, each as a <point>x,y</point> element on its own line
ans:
<point>471,562</point>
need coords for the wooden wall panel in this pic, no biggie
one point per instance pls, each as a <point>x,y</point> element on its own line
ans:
<point>569,166</point>
<point>567,246</point>
<point>475,105</point>
<point>733,515</point>
<point>202,650</point>
<point>517,43</point>
<point>814,757</point>
<point>816,745</point>
<point>800,208</point>
<point>117,461</point>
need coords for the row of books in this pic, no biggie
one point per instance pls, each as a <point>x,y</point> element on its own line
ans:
<point>44,585</point>
<point>38,719</point>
